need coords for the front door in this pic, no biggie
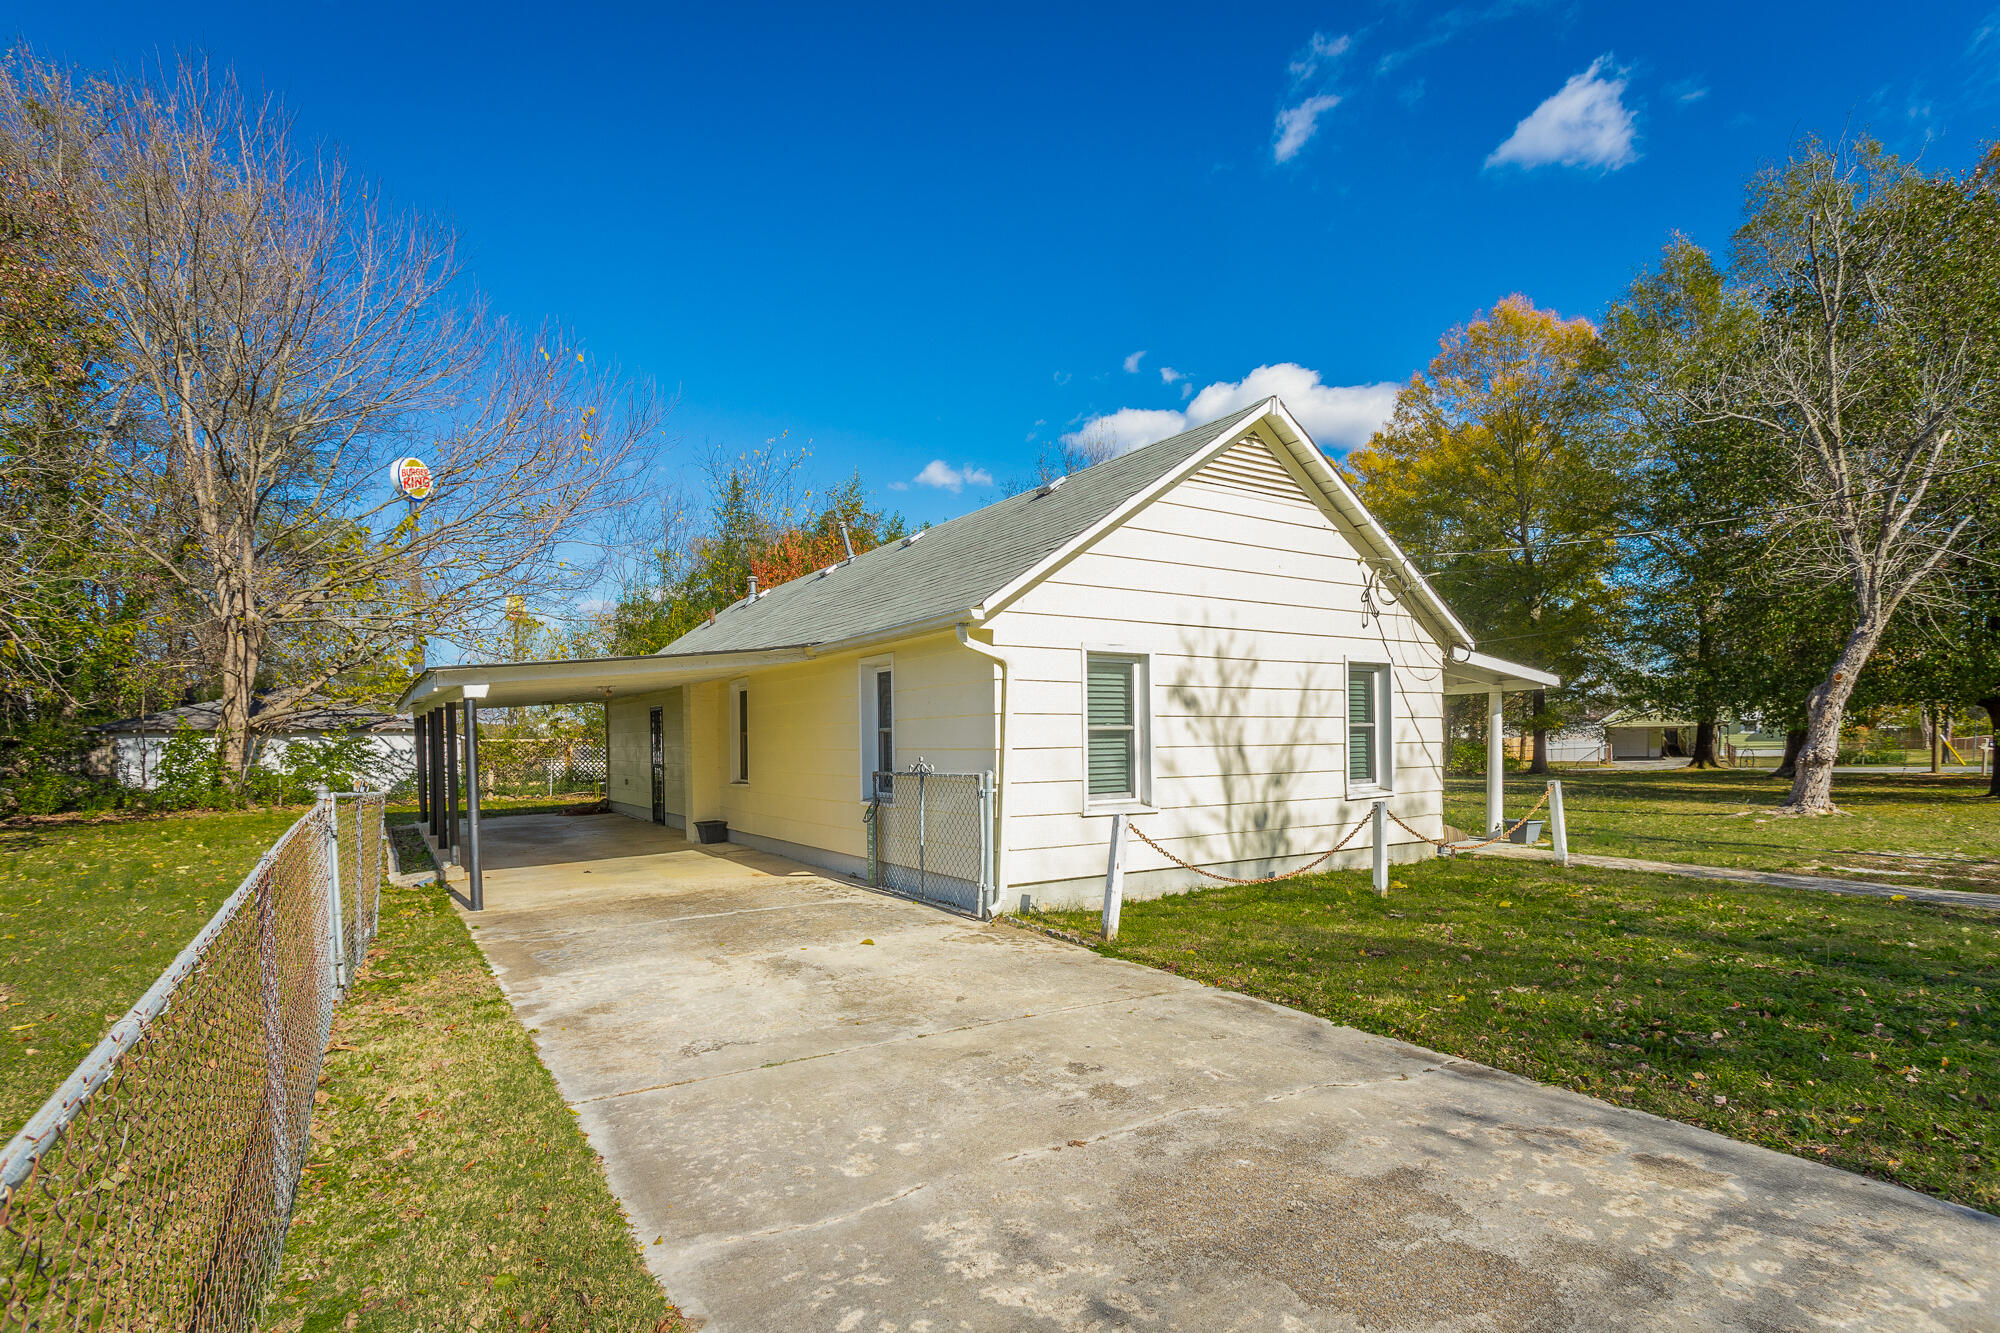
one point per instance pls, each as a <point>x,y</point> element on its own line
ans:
<point>659,768</point>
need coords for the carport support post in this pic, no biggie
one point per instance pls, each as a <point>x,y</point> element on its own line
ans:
<point>1496,761</point>
<point>420,755</point>
<point>477,892</point>
<point>450,839</point>
<point>1114,877</point>
<point>1380,817</point>
<point>1558,831</point>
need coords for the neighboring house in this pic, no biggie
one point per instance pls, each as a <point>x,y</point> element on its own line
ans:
<point>129,752</point>
<point>1209,634</point>
<point>1627,733</point>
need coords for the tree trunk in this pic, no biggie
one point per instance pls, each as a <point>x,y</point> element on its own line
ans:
<point>1991,703</point>
<point>1704,745</point>
<point>1795,740</point>
<point>1826,709</point>
<point>1937,738</point>
<point>1541,760</point>
<point>242,653</point>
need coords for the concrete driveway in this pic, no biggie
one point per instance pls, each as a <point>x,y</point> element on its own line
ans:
<point>842,1111</point>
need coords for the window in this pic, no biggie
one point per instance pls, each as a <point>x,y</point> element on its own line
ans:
<point>878,729</point>
<point>1114,726</point>
<point>1368,739</point>
<point>743,733</point>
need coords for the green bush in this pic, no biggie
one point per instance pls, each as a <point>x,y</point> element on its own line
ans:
<point>190,775</point>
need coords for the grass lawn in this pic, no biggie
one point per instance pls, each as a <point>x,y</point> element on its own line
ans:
<point>91,912</point>
<point>1941,832</point>
<point>449,1187</point>
<point>1858,1032</point>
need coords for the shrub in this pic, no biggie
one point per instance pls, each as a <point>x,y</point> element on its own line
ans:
<point>190,774</point>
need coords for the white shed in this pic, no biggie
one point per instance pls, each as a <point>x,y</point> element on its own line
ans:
<point>1210,635</point>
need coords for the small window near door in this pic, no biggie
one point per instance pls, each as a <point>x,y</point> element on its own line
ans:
<point>882,753</point>
<point>1113,722</point>
<point>743,734</point>
<point>1364,725</point>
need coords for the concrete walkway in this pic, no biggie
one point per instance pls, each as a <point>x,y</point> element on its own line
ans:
<point>1985,902</point>
<point>840,1111</point>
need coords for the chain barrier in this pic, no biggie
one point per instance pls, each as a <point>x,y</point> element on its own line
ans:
<point>1267,879</point>
<point>153,1190</point>
<point>1456,847</point>
<point>1453,847</point>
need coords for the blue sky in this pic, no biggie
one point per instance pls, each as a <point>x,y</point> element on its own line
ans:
<point>929,241</point>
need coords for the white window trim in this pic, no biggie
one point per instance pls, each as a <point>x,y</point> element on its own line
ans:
<point>864,685</point>
<point>1142,802</point>
<point>1385,731</point>
<point>737,734</point>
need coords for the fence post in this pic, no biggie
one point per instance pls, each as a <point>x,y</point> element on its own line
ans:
<point>1558,831</point>
<point>989,860</point>
<point>1381,820</point>
<point>1114,877</point>
<point>337,916</point>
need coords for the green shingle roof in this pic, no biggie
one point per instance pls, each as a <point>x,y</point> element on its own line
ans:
<point>954,566</point>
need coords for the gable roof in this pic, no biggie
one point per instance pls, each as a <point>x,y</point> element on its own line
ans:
<point>953,568</point>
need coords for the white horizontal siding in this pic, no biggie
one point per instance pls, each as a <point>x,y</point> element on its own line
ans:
<point>1247,598</point>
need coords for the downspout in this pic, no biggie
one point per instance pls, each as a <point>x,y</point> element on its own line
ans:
<point>1000,756</point>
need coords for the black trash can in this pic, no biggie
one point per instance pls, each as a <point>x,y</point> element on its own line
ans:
<point>711,830</point>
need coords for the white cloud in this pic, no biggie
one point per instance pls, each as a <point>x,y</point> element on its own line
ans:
<point>1585,124</point>
<point>1168,375</point>
<point>945,477</point>
<point>1132,362</point>
<point>1061,378</point>
<point>1297,124</point>
<point>1317,51</point>
<point>899,485</point>
<point>1339,416</point>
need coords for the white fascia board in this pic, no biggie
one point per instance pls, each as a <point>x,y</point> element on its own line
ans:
<point>1350,507</point>
<point>1131,505</point>
<point>1476,673</point>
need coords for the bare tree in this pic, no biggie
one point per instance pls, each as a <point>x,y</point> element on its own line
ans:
<point>281,336</point>
<point>1873,370</point>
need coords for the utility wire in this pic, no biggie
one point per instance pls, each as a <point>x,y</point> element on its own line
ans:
<point>1517,547</point>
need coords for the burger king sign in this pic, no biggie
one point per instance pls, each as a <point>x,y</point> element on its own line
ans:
<point>411,477</point>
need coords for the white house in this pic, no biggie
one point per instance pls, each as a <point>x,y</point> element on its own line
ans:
<point>1209,634</point>
<point>129,752</point>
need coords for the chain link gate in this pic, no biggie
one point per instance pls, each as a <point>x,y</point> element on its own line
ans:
<point>930,837</point>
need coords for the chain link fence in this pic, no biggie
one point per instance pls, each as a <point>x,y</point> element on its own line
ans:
<point>540,766</point>
<point>152,1191</point>
<point>930,837</point>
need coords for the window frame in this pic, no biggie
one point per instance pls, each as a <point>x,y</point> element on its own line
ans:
<point>739,733</point>
<point>1140,800</point>
<point>1381,779</point>
<point>867,714</point>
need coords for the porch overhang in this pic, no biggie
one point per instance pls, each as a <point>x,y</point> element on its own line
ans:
<point>1482,673</point>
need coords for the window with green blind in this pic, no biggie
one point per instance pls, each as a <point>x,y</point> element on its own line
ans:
<point>1113,717</point>
<point>1364,694</point>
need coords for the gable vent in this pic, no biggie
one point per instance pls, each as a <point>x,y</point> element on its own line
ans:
<point>1249,466</point>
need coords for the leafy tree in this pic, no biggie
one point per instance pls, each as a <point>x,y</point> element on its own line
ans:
<point>278,338</point>
<point>1874,369</point>
<point>1497,477</point>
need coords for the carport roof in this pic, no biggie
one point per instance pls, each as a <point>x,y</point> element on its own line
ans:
<point>1476,673</point>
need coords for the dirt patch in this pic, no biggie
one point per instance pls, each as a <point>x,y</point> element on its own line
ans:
<point>1372,1247</point>
<point>1677,1171</point>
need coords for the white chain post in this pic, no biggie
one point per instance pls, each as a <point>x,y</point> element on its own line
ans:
<point>1381,819</point>
<point>1114,877</point>
<point>1558,831</point>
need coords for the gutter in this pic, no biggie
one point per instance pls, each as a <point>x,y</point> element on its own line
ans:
<point>1000,778</point>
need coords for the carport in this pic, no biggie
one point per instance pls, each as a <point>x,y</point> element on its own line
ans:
<point>445,702</point>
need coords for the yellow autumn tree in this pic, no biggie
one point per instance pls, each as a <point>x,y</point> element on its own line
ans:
<point>1497,475</point>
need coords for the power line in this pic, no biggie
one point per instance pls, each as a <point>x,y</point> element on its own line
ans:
<point>1519,548</point>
